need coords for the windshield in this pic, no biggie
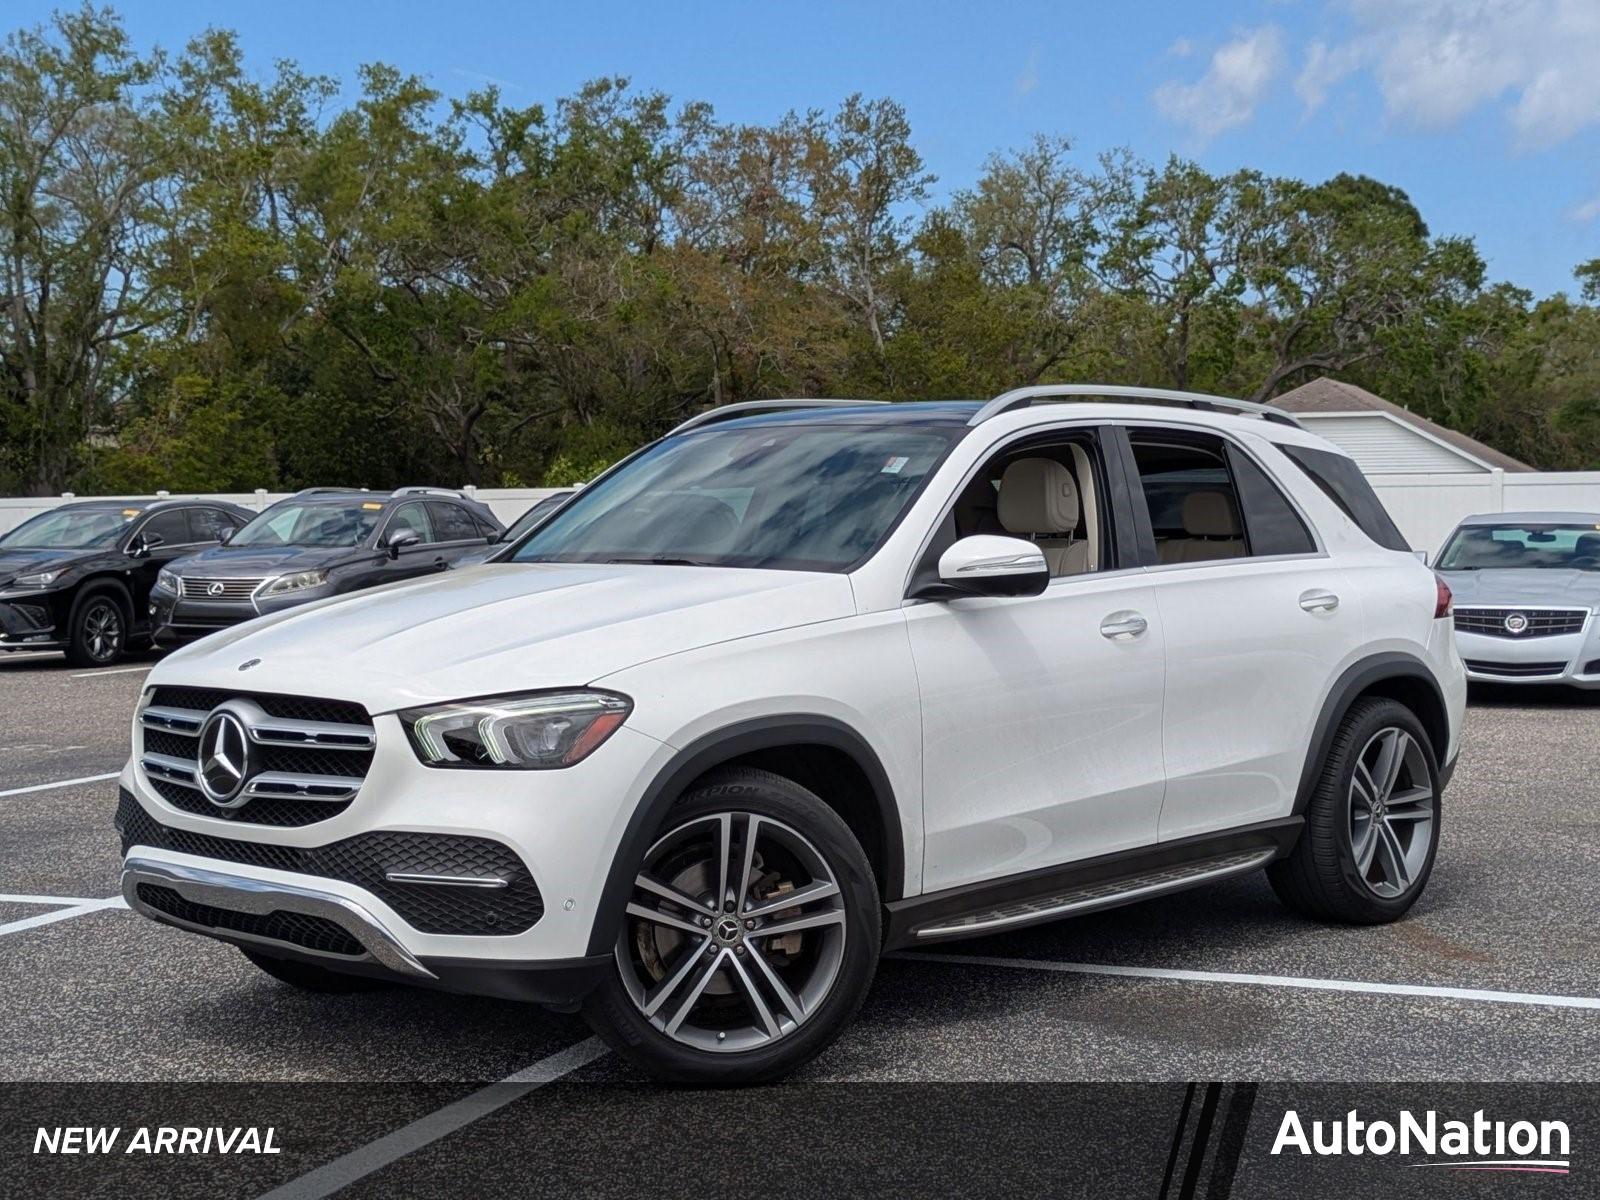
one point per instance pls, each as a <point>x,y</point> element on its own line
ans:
<point>789,497</point>
<point>71,529</point>
<point>341,522</point>
<point>1487,547</point>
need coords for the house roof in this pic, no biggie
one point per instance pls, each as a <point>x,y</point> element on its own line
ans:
<point>1326,396</point>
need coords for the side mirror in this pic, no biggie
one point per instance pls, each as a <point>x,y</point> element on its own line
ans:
<point>1422,556</point>
<point>986,564</point>
<point>141,546</point>
<point>227,536</point>
<point>400,539</point>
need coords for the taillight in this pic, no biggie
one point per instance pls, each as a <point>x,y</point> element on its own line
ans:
<point>1443,602</point>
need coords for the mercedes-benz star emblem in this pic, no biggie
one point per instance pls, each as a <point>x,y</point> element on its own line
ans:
<point>1516,623</point>
<point>223,760</point>
<point>215,589</point>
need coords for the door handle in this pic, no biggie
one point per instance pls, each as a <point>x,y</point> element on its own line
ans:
<point>1123,626</point>
<point>1315,601</point>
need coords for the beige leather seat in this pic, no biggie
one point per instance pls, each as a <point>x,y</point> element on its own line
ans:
<point>1211,530</point>
<point>1039,500</point>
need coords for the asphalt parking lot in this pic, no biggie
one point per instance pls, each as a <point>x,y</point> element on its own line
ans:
<point>1495,975</point>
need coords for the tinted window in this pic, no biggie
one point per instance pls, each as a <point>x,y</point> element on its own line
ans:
<point>1189,492</point>
<point>1347,487</point>
<point>412,516</point>
<point>209,524</point>
<point>452,523</point>
<point>777,495</point>
<point>1270,520</point>
<point>172,527</point>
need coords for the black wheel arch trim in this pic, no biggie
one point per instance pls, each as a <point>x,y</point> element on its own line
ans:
<point>713,749</point>
<point>93,586</point>
<point>1361,677</point>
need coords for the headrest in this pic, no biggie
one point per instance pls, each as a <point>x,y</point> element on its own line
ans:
<point>1588,546</point>
<point>1209,514</point>
<point>1038,496</point>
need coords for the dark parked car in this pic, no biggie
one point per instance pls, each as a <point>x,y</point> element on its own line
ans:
<point>318,543</point>
<point>523,524</point>
<point>78,578</point>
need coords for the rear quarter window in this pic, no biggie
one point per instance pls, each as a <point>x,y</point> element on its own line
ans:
<point>1343,483</point>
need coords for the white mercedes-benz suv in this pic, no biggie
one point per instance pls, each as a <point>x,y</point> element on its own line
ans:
<point>806,681</point>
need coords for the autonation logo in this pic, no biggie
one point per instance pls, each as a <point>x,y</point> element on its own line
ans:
<point>1476,1145</point>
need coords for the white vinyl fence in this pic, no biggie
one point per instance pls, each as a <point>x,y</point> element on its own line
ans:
<point>506,503</point>
<point>1426,507</point>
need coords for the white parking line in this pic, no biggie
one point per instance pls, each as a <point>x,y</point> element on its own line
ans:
<point>374,1156</point>
<point>55,901</point>
<point>1283,981</point>
<point>63,914</point>
<point>111,671</point>
<point>60,783</point>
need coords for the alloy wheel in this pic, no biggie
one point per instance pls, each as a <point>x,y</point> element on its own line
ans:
<point>735,932</point>
<point>102,630</point>
<point>1391,812</point>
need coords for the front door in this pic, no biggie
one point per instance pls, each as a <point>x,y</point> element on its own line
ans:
<point>1041,714</point>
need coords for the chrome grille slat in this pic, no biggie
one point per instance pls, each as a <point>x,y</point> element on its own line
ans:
<point>323,789</point>
<point>322,735</point>
<point>173,720</point>
<point>173,770</point>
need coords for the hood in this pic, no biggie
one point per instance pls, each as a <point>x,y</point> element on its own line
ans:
<point>501,627</point>
<point>28,562</point>
<point>251,562</point>
<point>1531,586</point>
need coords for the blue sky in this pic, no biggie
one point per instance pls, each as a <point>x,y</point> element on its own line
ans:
<point>1486,111</point>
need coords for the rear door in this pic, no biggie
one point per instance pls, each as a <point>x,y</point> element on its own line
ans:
<point>455,530</point>
<point>1256,617</point>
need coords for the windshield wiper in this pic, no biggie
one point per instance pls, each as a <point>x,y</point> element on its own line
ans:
<point>663,560</point>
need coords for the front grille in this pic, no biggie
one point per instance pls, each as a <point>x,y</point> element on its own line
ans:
<point>229,589</point>
<point>297,929</point>
<point>367,859</point>
<point>1514,670</point>
<point>1542,622</point>
<point>308,764</point>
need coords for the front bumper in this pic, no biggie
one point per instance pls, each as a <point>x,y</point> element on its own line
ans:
<point>28,622</point>
<point>1569,658</point>
<point>564,826</point>
<point>248,911</point>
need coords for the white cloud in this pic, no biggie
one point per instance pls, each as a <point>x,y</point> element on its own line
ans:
<point>1182,48</point>
<point>1587,211</point>
<point>1028,81</point>
<point>1435,61</point>
<point>1233,85</point>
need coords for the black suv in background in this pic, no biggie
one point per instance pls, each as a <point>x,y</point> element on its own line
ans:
<point>318,543</point>
<point>78,577</point>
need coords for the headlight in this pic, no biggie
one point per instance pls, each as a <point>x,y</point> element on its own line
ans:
<point>299,581</point>
<point>166,580</point>
<point>523,733</point>
<point>39,578</point>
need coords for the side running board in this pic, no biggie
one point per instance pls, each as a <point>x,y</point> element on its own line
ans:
<point>1089,897</point>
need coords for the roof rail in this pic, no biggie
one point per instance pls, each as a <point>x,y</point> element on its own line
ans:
<point>1023,397</point>
<point>745,408</point>
<point>314,491</point>
<point>421,490</point>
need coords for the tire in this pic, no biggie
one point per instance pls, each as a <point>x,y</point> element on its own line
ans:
<point>310,977</point>
<point>739,995</point>
<point>97,631</point>
<point>1366,869</point>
